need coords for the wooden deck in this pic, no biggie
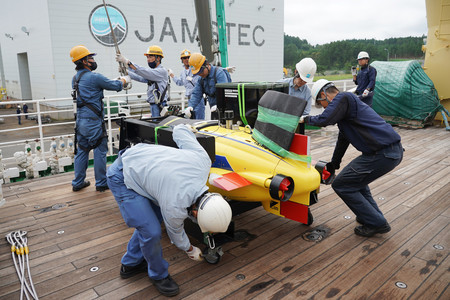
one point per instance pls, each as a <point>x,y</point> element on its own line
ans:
<point>275,263</point>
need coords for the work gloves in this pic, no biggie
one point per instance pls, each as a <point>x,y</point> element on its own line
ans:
<point>230,69</point>
<point>195,254</point>
<point>330,167</point>
<point>122,59</point>
<point>189,78</point>
<point>126,81</point>
<point>187,112</point>
<point>213,108</point>
<point>170,73</point>
<point>353,71</point>
<point>302,119</point>
<point>365,93</point>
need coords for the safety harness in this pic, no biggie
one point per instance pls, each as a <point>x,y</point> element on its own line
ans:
<point>157,93</point>
<point>92,108</point>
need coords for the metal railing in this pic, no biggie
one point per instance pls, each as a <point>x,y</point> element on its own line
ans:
<point>133,102</point>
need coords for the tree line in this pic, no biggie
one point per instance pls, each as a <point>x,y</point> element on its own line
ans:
<point>341,55</point>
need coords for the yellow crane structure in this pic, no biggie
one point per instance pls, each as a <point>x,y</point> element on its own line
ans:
<point>437,49</point>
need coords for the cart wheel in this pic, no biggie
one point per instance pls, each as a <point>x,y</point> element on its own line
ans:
<point>211,256</point>
<point>310,217</point>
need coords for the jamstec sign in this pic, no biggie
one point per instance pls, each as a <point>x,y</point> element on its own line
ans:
<point>99,27</point>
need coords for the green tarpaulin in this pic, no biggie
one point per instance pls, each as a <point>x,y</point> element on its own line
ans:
<point>404,94</point>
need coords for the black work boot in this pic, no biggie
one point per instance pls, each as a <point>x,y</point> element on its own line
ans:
<point>102,188</point>
<point>128,271</point>
<point>80,187</point>
<point>369,231</point>
<point>167,286</point>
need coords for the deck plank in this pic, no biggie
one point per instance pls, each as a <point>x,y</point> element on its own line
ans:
<point>274,261</point>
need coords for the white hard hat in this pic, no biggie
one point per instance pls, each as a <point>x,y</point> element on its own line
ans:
<point>18,106</point>
<point>306,68</point>
<point>362,54</point>
<point>317,87</point>
<point>213,213</point>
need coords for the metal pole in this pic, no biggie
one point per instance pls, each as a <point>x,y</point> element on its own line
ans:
<point>123,68</point>
<point>112,30</point>
<point>108,112</point>
<point>41,134</point>
<point>2,200</point>
<point>221,29</point>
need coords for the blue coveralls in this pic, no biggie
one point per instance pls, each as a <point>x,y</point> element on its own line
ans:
<point>207,86</point>
<point>189,86</point>
<point>18,112</point>
<point>153,183</point>
<point>159,76</point>
<point>381,152</point>
<point>302,92</point>
<point>90,128</point>
<point>366,80</point>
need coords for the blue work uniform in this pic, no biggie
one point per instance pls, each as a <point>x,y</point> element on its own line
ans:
<point>90,129</point>
<point>154,183</point>
<point>366,80</point>
<point>153,78</point>
<point>207,86</point>
<point>189,86</point>
<point>302,92</point>
<point>18,112</point>
<point>25,110</point>
<point>381,152</point>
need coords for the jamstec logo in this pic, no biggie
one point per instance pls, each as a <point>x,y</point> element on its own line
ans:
<point>99,25</point>
<point>100,30</point>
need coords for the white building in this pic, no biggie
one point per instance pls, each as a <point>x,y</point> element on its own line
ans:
<point>37,35</point>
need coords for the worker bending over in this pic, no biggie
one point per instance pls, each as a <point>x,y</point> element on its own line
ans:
<point>154,184</point>
<point>369,133</point>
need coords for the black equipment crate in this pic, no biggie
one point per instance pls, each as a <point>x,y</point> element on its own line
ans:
<point>227,95</point>
<point>134,131</point>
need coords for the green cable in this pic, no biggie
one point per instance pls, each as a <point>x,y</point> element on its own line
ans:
<point>244,119</point>
<point>156,133</point>
<point>239,100</point>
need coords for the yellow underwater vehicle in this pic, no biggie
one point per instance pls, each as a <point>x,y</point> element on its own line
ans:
<point>268,165</point>
<point>244,168</point>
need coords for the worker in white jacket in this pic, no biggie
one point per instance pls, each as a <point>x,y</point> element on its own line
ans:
<point>154,183</point>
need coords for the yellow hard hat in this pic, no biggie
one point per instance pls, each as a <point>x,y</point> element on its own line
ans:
<point>154,50</point>
<point>78,52</point>
<point>285,71</point>
<point>185,53</point>
<point>196,62</point>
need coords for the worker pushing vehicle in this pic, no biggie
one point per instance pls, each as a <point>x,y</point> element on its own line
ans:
<point>247,166</point>
<point>154,184</point>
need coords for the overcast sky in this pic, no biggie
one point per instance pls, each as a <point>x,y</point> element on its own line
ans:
<point>324,21</point>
